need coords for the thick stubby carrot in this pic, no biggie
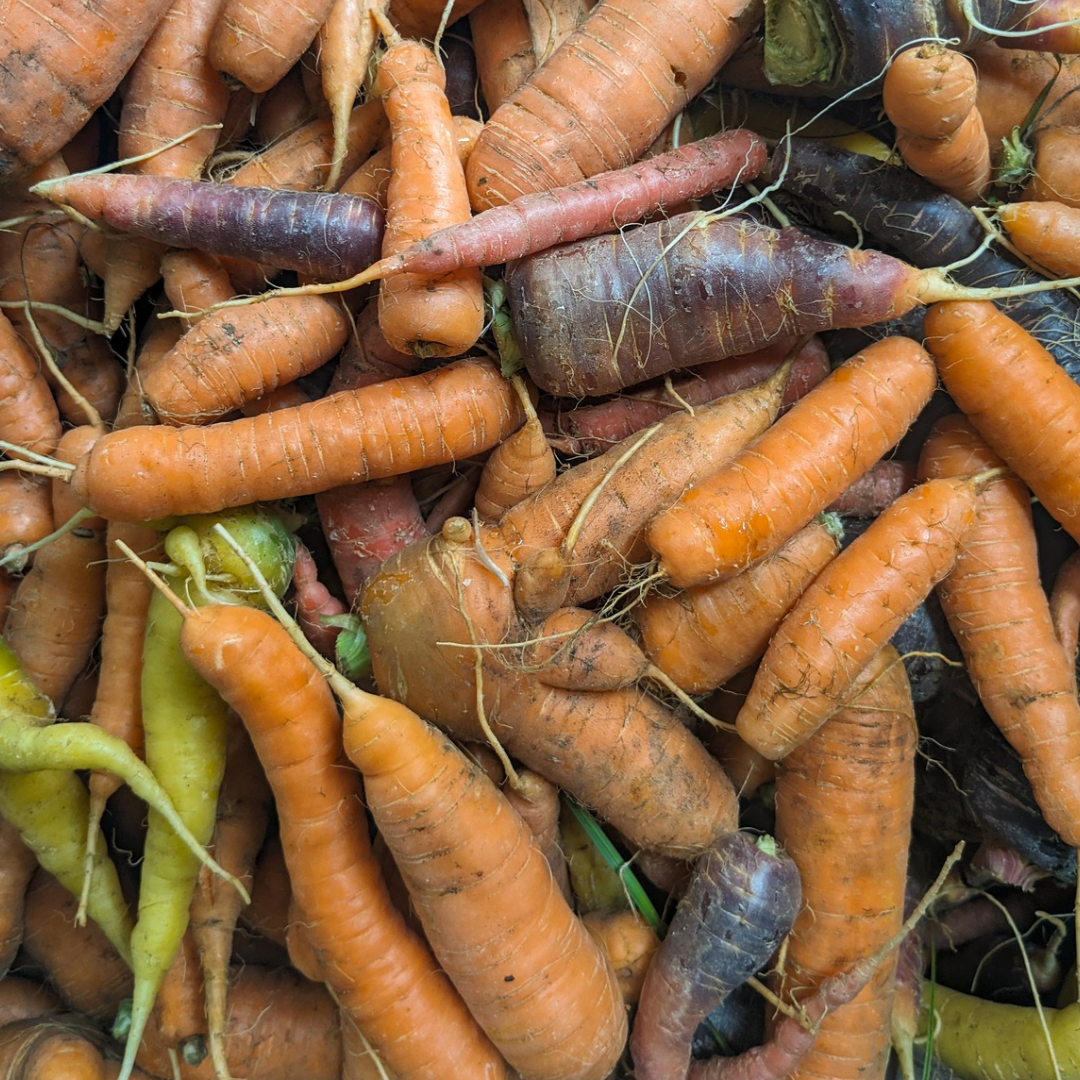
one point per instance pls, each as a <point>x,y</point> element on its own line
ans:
<point>792,471</point>
<point>929,94</point>
<point>1016,396</point>
<point>1025,679</point>
<point>616,750</point>
<point>703,636</point>
<point>63,62</point>
<point>849,791</point>
<point>257,46</point>
<point>24,998</point>
<point>233,357</point>
<point>1047,232</point>
<point>383,976</point>
<point>421,314</point>
<point>382,430</point>
<point>851,610</point>
<point>605,94</point>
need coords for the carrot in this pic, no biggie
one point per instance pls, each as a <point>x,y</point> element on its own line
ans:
<point>503,47</point>
<point>742,900</point>
<point>1024,678</point>
<point>56,613</point>
<point>259,47</point>
<point>703,636</point>
<point>28,416</point>
<point>26,515</point>
<point>346,40</point>
<point>426,192</point>
<point>422,18</point>
<point>23,999</point>
<point>535,942</point>
<point>929,94</point>
<point>383,976</point>
<point>365,524</point>
<point>853,898</point>
<point>616,750</point>
<point>234,357</point>
<point>78,962</point>
<point>830,437</point>
<point>875,489</point>
<point>63,1045</point>
<point>605,202</point>
<point>314,602</point>
<point>287,229</point>
<point>1065,605</point>
<point>63,64</point>
<point>1055,150</point>
<point>18,865</point>
<point>335,440</point>
<point>628,942</point>
<point>1047,232</point>
<point>850,611</point>
<point>633,66</point>
<point>991,367</point>
<point>583,334</point>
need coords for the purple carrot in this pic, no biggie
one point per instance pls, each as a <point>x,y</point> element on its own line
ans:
<point>327,236</point>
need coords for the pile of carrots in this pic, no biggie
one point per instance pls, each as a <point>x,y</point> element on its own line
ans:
<point>539,541</point>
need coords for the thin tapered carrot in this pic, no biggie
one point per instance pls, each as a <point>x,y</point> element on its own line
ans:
<point>792,471</point>
<point>258,46</point>
<point>233,357</point>
<point>1024,677</point>
<point>383,976</point>
<point>1047,232</point>
<point>850,611</point>
<point>703,636</point>
<point>427,191</point>
<point>382,430</point>
<point>346,41</point>
<point>633,66</point>
<point>849,791</point>
<point>1016,396</point>
<point>929,94</point>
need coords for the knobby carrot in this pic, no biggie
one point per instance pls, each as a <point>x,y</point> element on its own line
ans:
<point>794,469</point>
<point>605,94</point>
<point>929,94</point>
<point>849,791</point>
<point>1024,677</point>
<point>419,314</point>
<point>382,430</point>
<point>384,977</point>
<point>851,609</point>
<point>1016,396</point>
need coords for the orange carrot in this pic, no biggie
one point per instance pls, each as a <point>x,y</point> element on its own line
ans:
<point>849,792</point>
<point>604,94</point>
<point>24,999</point>
<point>703,636</point>
<point>422,18</point>
<point>929,94</point>
<point>1016,396</point>
<point>382,430</point>
<point>628,942</point>
<point>1055,154</point>
<point>503,47</point>
<point>1065,605</point>
<point>1024,678</point>
<point>17,864</point>
<point>235,356</point>
<point>791,472</point>
<point>26,514</point>
<point>28,413</point>
<point>426,192</point>
<point>851,610</point>
<point>62,63</point>
<point>258,46</point>
<point>384,978</point>
<point>1046,232</point>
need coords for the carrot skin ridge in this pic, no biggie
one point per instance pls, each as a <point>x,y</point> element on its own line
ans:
<point>325,235</point>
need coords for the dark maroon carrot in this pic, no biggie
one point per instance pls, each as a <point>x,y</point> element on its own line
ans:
<point>327,236</point>
<point>741,902</point>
